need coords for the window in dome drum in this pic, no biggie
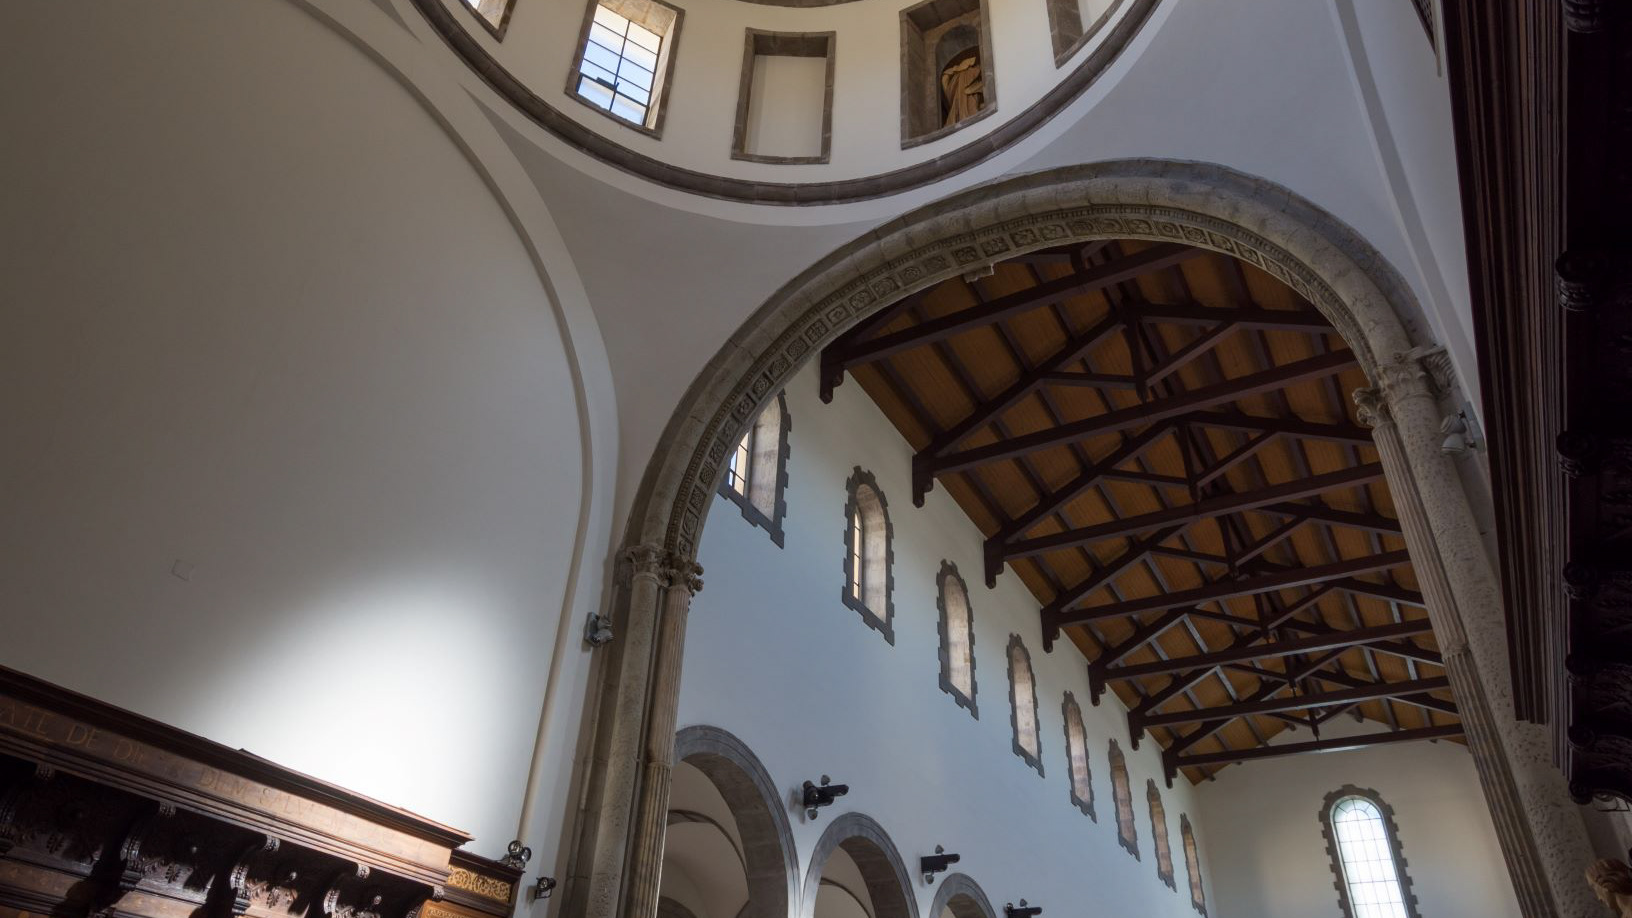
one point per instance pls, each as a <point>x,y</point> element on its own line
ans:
<point>624,61</point>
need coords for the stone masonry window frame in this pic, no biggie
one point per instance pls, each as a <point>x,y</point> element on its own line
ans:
<point>949,577</point>
<point>758,42</point>
<point>876,562</point>
<point>922,24</point>
<point>663,79</point>
<point>766,503</point>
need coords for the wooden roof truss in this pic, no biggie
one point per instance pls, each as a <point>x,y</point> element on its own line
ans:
<point>1156,438</point>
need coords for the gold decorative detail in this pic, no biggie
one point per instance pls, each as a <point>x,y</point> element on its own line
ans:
<point>1612,881</point>
<point>486,887</point>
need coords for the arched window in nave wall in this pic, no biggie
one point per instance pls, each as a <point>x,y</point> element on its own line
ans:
<point>1122,795</point>
<point>957,632</point>
<point>1023,704</point>
<point>868,579</point>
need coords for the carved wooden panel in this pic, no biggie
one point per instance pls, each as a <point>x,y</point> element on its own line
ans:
<point>107,813</point>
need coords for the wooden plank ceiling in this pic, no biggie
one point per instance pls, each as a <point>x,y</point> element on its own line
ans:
<point>1159,441</point>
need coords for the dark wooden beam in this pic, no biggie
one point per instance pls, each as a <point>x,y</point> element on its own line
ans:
<point>1374,522</point>
<point>1235,457</point>
<point>1075,348</point>
<point>1200,510</point>
<point>1403,649</point>
<point>1147,545</point>
<point>1352,637</point>
<point>1291,427</point>
<point>1131,448</point>
<point>1299,702</point>
<point>1230,756</point>
<point>1141,636</point>
<point>1253,317</point>
<point>1424,701</point>
<point>1159,410</point>
<point>1133,554</point>
<point>1092,380</point>
<point>1297,669</point>
<point>1094,278</point>
<point>1203,343</point>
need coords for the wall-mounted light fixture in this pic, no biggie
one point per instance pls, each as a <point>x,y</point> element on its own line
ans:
<point>543,888</point>
<point>597,630</point>
<point>936,863</point>
<point>1022,910</point>
<point>1461,432</point>
<point>516,855</point>
<point>817,796</point>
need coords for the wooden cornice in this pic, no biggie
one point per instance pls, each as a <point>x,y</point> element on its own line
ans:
<point>1540,90</point>
<point>70,733</point>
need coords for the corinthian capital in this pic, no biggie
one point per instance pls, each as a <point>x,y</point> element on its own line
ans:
<point>1373,407</point>
<point>1429,365</point>
<point>680,571</point>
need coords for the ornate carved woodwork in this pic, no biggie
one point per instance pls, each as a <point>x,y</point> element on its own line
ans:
<point>1161,442</point>
<point>103,812</point>
<point>1542,96</point>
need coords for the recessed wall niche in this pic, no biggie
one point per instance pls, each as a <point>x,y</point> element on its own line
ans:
<point>1072,23</point>
<point>785,98</point>
<point>947,74</point>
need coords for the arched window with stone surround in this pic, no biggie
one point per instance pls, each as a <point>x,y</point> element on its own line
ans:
<point>1158,834</point>
<point>1076,751</point>
<point>1122,795</point>
<point>868,579</point>
<point>756,472</point>
<point>1023,704</point>
<point>1367,859</point>
<point>1192,864</point>
<point>957,628</point>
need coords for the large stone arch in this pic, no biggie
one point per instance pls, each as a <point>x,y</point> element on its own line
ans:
<point>963,896</point>
<point>1204,205</point>
<point>762,818</point>
<point>889,884</point>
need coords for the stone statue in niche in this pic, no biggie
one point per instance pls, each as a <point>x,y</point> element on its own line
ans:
<point>1612,881</point>
<point>961,87</point>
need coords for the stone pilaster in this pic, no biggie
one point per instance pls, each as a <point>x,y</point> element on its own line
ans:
<point>681,579</point>
<point>615,774</point>
<point>1543,839</point>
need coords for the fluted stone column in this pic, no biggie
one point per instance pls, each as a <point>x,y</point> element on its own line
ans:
<point>681,579</point>
<point>1543,839</point>
<point>596,889</point>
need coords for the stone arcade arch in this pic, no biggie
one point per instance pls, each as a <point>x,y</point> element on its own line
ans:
<point>961,896</point>
<point>889,884</point>
<point>768,853</point>
<point>1325,261</point>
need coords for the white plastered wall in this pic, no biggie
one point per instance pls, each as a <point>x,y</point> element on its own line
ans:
<point>296,429</point>
<point>1275,863</point>
<point>774,656</point>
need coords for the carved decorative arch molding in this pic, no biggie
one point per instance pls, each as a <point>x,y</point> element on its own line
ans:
<point>762,820</point>
<point>551,119</point>
<point>889,884</point>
